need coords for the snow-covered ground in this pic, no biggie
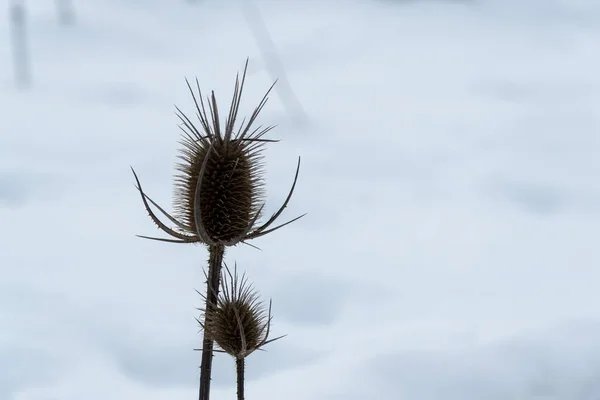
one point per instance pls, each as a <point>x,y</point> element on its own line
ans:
<point>450,171</point>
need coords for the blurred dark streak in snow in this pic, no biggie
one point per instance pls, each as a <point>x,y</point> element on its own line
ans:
<point>21,58</point>
<point>273,63</point>
<point>66,14</point>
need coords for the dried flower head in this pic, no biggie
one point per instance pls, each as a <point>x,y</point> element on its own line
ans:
<point>239,323</point>
<point>219,194</point>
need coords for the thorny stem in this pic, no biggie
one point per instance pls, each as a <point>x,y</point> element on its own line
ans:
<point>215,262</point>
<point>239,367</point>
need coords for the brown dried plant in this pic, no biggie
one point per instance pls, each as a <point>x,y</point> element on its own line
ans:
<point>219,191</point>
<point>239,323</point>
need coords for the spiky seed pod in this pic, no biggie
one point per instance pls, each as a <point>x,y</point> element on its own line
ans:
<point>229,196</point>
<point>239,323</point>
<point>219,192</point>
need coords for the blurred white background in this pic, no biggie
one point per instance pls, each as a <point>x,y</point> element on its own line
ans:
<point>450,174</point>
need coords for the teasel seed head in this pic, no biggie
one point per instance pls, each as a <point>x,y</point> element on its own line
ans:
<point>239,322</point>
<point>219,187</point>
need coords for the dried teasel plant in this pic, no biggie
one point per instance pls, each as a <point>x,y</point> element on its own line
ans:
<point>239,322</point>
<point>219,191</point>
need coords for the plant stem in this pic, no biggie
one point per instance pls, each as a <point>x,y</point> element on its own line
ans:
<point>239,367</point>
<point>215,263</point>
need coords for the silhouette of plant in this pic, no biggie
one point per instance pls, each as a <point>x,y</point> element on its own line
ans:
<point>219,192</point>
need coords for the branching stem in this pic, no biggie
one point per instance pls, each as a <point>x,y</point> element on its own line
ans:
<point>239,367</point>
<point>215,263</point>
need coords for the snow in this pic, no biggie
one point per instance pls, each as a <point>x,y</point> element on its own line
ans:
<point>449,170</point>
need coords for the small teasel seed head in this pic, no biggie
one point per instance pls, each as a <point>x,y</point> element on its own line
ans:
<point>239,323</point>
